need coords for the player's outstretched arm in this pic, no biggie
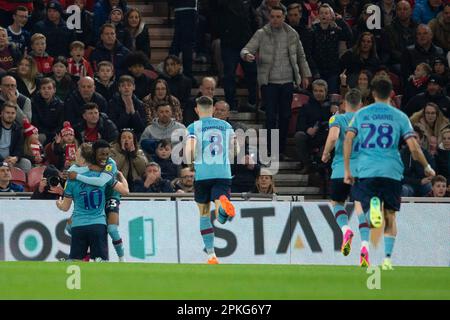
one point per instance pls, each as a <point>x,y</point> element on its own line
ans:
<point>99,181</point>
<point>333,136</point>
<point>417,154</point>
<point>64,204</point>
<point>122,185</point>
<point>348,146</point>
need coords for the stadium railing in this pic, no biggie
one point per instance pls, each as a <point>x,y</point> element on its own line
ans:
<point>234,196</point>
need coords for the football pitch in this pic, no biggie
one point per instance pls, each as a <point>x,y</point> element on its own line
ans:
<point>48,280</point>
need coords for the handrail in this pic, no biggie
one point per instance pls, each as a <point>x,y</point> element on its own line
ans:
<point>235,196</point>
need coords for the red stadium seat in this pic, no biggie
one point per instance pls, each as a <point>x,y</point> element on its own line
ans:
<point>298,100</point>
<point>18,176</point>
<point>34,177</point>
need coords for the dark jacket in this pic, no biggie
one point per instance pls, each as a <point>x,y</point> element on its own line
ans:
<point>325,47</point>
<point>59,37</point>
<point>22,87</point>
<point>160,186</point>
<point>314,113</point>
<point>144,85</point>
<point>116,56</point>
<point>419,101</point>
<point>106,128</point>
<point>413,55</point>
<point>414,172</point>
<point>73,106</point>
<point>180,86</point>
<point>182,3</point>
<point>169,170</point>
<point>104,91</point>
<point>47,117</point>
<point>86,33</point>
<point>17,141</point>
<point>102,9</point>
<point>243,178</point>
<point>143,41</point>
<point>399,38</point>
<point>123,35</point>
<point>236,22</point>
<point>354,64</point>
<point>443,162</point>
<point>117,114</point>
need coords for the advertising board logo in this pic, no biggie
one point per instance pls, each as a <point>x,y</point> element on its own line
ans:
<point>142,238</point>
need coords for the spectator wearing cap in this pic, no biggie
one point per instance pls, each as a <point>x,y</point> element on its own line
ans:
<point>11,138</point>
<point>62,150</point>
<point>32,148</point>
<point>54,28</point>
<point>122,33</point>
<point>152,181</point>
<point>95,125</point>
<point>440,26</point>
<point>102,10</point>
<point>426,10</point>
<point>5,180</point>
<point>434,93</point>
<point>51,185</point>
<point>400,34</point>
<point>48,110</point>
<point>439,67</point>
<point>422,51</point>
<point>125,109</point>
<point>109,49</point>
<point>9,93</point>
<point>73,106</point>
<point>264,184</point>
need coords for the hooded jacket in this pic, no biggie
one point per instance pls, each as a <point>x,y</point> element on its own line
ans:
<point>262,43</point>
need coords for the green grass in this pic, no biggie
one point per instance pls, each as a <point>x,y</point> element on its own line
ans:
<point>45,280</point>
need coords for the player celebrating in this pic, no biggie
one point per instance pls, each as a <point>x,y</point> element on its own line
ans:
<point>209,143</point>
<point>112,196</point>
<point>340,190</point>
<point>378,129</point>
<point>88,219</point>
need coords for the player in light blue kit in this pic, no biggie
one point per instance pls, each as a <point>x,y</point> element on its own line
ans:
<point>88,227</point>
<point>378,129</point>
<point>340,191</point>
<point>210,142</point>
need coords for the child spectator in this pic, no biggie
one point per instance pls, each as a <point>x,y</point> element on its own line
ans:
<point>438,187</point>
<point>169,170</point>
<point>61,152</point>
<point>417,82</point>
<point>43,60</point>
<point>78,66</point>
<point>63,80</point>
<point>104,82</point>
<point>32,149</point>
<point>122,33</point>
<point>136,62</point>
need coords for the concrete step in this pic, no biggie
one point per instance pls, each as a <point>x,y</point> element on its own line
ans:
<point>155,20</point>
<point>158,7</point>
<point>298,190</point>
<point>144,9</point>
<point>160,31</point>
<point>160,43</point>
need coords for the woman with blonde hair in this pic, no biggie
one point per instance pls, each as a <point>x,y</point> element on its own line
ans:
<point>264,183</point>
<point>431,121</point>
<point>26,75</point>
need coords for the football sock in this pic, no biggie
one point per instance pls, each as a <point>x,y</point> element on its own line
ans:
<point>341,217</point>
<point>388,245</point>
<point>364,229</point>
<point>113,232</point>
<point>68,228</point>
<point>223,217</point>
<point>207,231</point>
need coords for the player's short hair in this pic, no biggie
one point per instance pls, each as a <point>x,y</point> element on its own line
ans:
<point>353,98</point>
<point>90,106</point>
<point>105,64</point>
<point>204,103</point>
<point>77,44</point>
<point>100,143</point>
<point>126,78</point>
<point>37,36</point>
<point>164,143</point>
<point>438,178</point>
<point>382,87</point>
<point>47,80</point>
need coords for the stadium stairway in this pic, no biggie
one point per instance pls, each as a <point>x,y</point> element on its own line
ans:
<point>287,181</point>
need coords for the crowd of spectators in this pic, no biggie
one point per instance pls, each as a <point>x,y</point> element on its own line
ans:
<point>62,86</point>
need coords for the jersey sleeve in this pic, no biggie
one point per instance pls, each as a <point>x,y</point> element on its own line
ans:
<point>406,128</point>
<point>353,125</point>
<point>100,181</point>
<point>113,164</point>
<point>78,169</point>
<point>335,121</point>
<point>68,189</point>
<point>191,131</point>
